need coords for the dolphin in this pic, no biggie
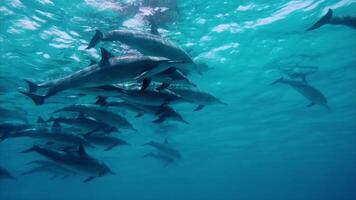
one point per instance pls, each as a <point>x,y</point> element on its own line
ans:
<point>133,94</point>
<point>83,122</point>
<point>121,105</point>
<point>5,174</point>
<point>299,71</point>
<point>57,137</point>
<point>165,148</point>
<point>109,70</point>
<point>9,115</point>
<point>79,161</point>
<point>167,113</point>
<point>11,128</point>
<point>328,18</point>
<point>161,156</point>
<point>105,140</point>
<point>195,96</point>
<point>163,112</point>
<point>100,115</point>
<point>309,92</point>
<point>45,166</point>
<point>148,44</point>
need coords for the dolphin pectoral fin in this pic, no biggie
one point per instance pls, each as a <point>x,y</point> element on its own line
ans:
<point>322,21</point>
<point>101,101</point>
<point>199,107</point>
<point>163,86</point>
<point>30,149</point>
<point>159,120</point>
<point>37,99</point>
<point>169,71</point>
<point>139,115</point>
<point>277,81</point>
<point>105,56</point>
<point>145,83</point>
<point>310,105</point>
<point>110,147</point>
<point>90,178</point>
<point>304,78</point>
<point>95,39</point>
<point>32,87</point>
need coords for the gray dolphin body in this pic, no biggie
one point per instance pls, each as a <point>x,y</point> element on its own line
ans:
<point>195,96</point>
<point>133,94</point>
<point>45,166</point>
<point>161,156</point>
<point>100,115</point>
<point>79,161</point>
<point>57,137</point>
<point>148,44</point>
<point>5,174</point>
<point>309,92</point>
<point>107,141</point>
<point>299,71</point>
<point>85,123</point>
<point>7,115</point>
<point>166,149</point>
<point>108,71</point>
<point>11,128</point>
<point>328,18</point>
<point>163,113</point>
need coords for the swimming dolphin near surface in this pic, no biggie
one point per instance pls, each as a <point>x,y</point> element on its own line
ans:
<point>309,92</point>
<point>328,18</point>
<point>5,174</point>
<point>107,141</point>
<point>79,161</point>
<point>148,44</point>
<point>10,128</point>
<point>82,122</point>
<point>195,96</point>
<point>163,112</point>
<point>100,115</point>
<point>299,71</point>
<point>165,148</point>
<point>167,113</point>
<point>132,93</point>
<point>50,167</point>
<point>161,156</point>
<point>108,71</point>
<point>57,137</point>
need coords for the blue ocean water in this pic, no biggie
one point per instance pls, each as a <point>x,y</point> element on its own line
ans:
<point>264,144</point>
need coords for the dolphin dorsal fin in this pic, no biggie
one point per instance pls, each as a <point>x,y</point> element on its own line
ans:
<point>81,150</point>
<point>105,56</point>
<point>92,62</point>
<point>165,141</point>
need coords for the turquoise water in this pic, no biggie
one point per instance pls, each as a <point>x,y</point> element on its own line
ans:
<point>265,144</point>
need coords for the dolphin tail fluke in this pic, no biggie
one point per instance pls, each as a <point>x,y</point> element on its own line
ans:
<point>37,99</point>
<point>30,149</point>
<point>159,120</point>
<point>199,107</point>
<point>277,81</point>
<point>95,39</point>
<point>322,21</point>
<point>32,87</point>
